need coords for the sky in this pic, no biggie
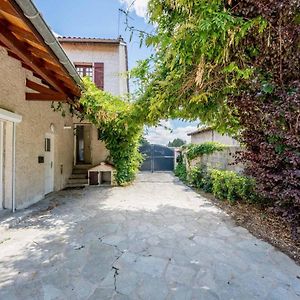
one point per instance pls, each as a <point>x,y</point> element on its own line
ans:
<point>102,18</point>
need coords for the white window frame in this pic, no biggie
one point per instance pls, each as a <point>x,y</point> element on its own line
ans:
<point>8,116</point>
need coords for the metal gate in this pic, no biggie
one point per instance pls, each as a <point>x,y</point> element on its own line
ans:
<point>157,158</point>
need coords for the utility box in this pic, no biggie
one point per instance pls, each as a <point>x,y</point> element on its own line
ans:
<point>102,175</point>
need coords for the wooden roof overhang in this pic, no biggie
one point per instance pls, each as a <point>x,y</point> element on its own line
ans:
<point>23,42</point>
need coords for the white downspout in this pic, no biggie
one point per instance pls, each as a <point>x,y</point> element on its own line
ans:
<point>14,168</point>
<point>1,162</point>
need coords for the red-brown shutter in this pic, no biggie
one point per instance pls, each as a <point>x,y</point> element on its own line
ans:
<point>99,75</point>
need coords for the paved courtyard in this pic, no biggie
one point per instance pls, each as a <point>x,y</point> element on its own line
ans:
<point>156,239</point>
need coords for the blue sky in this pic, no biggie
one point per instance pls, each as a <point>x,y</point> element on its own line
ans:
<point>101,18</point>
<point>94,18</point>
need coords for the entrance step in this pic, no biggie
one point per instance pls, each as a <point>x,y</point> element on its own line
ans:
<point>79,171</point>
<point>79,177</point>
<point>83,166</point>
<point>78,181</point>
<point>75,185</point>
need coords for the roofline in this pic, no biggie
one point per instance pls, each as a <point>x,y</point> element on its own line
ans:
<point>34,16</point>
<point>118,41</point>
<point>200,130</point>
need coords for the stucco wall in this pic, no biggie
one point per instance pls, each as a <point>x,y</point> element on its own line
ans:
<point>222,160</point>
<point>113,57</point>
<point>98,149</point>
<point>30,134</point>
<point>213,136</point>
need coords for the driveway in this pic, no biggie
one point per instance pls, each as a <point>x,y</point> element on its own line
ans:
<point>156,239</point>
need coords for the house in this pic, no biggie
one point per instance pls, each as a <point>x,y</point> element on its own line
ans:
<point>36,143</point>
<point>105,61</point>
<point>207,134</point>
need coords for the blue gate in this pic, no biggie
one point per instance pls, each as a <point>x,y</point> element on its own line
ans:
<point>157,158</point>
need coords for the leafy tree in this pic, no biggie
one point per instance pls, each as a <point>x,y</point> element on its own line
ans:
<point>235,65</point>
<point>176,143</point>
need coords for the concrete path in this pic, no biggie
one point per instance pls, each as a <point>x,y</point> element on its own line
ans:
<point>156,239</point>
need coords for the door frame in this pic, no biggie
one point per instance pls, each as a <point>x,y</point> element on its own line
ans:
<point>75,141</point>
<point>8,116</point>
<point>52,160</point>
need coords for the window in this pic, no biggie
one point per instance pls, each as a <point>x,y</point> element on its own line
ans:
<point>85,70</point>
<point>47,145</point>
<point>96,72</point>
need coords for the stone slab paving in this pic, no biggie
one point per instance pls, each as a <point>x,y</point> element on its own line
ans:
<point>156,239</point>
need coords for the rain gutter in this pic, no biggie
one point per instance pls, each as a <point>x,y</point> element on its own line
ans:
<point>34,16</point>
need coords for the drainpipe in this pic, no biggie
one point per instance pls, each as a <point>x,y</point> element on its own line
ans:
<point>14,168</point>
<point>1,163</point>
<point>31,12</point>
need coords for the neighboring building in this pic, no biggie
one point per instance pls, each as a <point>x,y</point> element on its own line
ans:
<point>105,62</point>
<point>36,143</point>
<point>207,134</point>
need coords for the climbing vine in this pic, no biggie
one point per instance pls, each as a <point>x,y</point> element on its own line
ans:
<point>119,127</point>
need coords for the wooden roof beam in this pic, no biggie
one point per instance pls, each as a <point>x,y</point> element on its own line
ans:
<point>38,87</point>
<point>23,33</point>
<point>6,7</point>
<point>12,43</point>
<point>43,93</point>
<point>47,97</point>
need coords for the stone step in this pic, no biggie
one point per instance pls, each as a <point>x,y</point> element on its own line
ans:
<point>79,175</point>
<point>79,181</point>
<point>83,166</point>
<point>75,185</point>
<point>79,171</point>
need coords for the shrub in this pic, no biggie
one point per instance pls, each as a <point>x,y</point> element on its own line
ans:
<point>194,150</point>
<point>180,170</point>
<point>228,185</point>
<point>200,177</point>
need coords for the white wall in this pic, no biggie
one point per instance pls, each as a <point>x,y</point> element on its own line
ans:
<point>113,57</point>
<point>213,136</point>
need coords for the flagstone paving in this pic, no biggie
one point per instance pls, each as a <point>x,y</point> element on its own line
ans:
<point>156,239</point>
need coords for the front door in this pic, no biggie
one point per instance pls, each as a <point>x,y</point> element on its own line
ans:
<point>49,163</point>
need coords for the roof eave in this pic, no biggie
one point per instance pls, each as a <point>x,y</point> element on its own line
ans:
<point>33,15</point>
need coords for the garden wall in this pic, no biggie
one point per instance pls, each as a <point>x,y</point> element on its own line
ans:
<point>222,160</point>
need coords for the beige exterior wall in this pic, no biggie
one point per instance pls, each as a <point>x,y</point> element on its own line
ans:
<point>37,116</point>
<point>113,57</point>
<point>213,136</point>
<point>221,160</point>
<point>98,152</point>
<point>98,149</point>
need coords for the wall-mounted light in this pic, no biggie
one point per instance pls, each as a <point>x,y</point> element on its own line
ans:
<point>52,127</point>
<point>67,127</point>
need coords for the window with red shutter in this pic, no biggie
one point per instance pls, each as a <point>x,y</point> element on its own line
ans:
<point>85,70</point>
<point>99,75</point>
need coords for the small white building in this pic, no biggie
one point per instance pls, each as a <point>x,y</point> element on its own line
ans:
<point>207,134</point>
<point>105,61</point>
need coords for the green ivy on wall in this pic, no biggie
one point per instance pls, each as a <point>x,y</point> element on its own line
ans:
<point>197,150</point>
<point>118,126</point>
